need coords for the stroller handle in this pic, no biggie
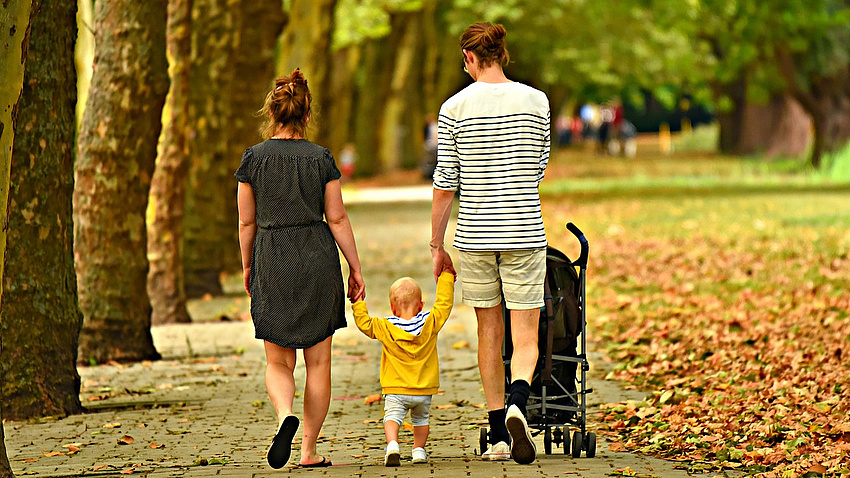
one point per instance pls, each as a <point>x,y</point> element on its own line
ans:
<point>582,260</point>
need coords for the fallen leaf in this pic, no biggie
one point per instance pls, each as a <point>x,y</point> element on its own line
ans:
<point>463,344</point>
<point>126,440</point>
<point>408,427</point>
<point>112,425</point>
<point>157,446</point>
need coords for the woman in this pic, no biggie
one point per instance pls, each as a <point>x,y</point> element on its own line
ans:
<point>288,187</point>
<point>493,147</point>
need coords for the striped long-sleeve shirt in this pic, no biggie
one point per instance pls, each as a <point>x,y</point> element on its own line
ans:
<point>493,145</point>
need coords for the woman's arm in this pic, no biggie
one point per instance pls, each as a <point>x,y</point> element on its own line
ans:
<point>247,229</point>
<point>343,235</point>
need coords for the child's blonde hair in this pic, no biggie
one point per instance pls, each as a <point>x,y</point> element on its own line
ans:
<point>405,293</point>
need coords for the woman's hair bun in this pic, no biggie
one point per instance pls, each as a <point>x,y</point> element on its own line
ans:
<point>297,77</point>
<point>287,104</point>
<point>487,42</point>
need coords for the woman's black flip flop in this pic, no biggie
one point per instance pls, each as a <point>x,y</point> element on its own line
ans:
<point>282,443</point>
<point>325,462</point>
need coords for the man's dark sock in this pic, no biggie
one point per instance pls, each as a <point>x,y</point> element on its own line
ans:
<point>519,392</point>
<point>498,430</point>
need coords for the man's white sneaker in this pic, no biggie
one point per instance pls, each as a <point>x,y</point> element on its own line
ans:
<point>523,450</point>
<point>392,457</point>
<point>419,455</point>
<point>498,452</point>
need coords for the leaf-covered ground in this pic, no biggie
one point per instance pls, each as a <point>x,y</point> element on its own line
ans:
<point>725,295</point>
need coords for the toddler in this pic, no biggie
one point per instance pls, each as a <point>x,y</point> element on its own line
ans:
<point>409,363</point>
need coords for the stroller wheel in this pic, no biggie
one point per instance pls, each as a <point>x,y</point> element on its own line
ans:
<point>566,441</point>
<point>578,444</point>
<point>482,440</point>
<point>591,445</point>
<point>547,441</point>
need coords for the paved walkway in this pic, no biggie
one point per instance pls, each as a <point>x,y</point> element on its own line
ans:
<point>203,410</point>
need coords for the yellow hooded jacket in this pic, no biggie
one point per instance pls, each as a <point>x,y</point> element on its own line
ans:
<point>409,363</point>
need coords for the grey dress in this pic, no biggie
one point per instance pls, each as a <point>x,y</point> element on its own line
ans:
<point>297,296</point>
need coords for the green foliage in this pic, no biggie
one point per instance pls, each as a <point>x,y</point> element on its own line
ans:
<point>837,165</point>
<point>361,20</point>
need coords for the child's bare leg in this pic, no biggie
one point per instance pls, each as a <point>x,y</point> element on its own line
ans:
<point>420,435</point>
<point>391,431</point>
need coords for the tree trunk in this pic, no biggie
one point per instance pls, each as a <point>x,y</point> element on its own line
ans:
<point>40,286</point>
<point>339,113</point>
<point>730,121</point>
<point>373,81</point>
<point>5,467</point>
<point>210,216</point>
<point>829,104</point>
<point>825,98</point>
<point>306,44</point>
<point>779,127</point>
<point>168,186</point>
<point>14,19</point>
<point>401,128</point>
<point>260,26</point>
<point>118,139</point>
<point>792,129</point>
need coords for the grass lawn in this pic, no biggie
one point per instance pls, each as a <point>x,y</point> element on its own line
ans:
<point>722,286</point>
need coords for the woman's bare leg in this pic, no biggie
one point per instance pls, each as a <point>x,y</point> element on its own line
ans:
<point>280,382</point>
<point>317,397</point>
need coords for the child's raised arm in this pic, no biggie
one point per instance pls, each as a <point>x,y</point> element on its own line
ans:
<point>445,299</point>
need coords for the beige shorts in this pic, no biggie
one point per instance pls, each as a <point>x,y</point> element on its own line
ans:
<point>485,275</point>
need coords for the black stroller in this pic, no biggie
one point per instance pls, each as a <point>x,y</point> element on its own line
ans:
<point>558,396</point>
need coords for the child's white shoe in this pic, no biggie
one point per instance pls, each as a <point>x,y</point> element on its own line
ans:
<point>499,452</point>
<point>392,457</point>
<point>419,455</point>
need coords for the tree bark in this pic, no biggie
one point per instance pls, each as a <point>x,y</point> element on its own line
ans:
<point>258,28</point>
<point>210,215</point>
<point>376,73</point>
<point>339,113</point>
<point>777,128</point>
<point>168,187</point>
<point>826,98</point>
<point>118,140</point>
<point>5,467</point>
<point>306,44</point>
<point>41,318</point>
<point>14,19</point>
<point>401,128</point>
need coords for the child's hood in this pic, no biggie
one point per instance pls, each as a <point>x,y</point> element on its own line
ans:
<point>409,343</point>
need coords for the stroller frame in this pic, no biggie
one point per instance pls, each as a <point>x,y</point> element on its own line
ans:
<point>559,406</point>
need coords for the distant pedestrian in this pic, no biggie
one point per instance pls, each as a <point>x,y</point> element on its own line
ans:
<point>494,147</point>
<point>429,147</point>
<point>291,220</point>
<point>410,369</point>
<point>347,160</point>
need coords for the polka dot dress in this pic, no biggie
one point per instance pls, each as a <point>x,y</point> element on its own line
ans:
<point>297,297</point>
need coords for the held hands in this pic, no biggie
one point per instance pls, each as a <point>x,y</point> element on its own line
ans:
<point>356,287</point>
<point>442,262</point>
